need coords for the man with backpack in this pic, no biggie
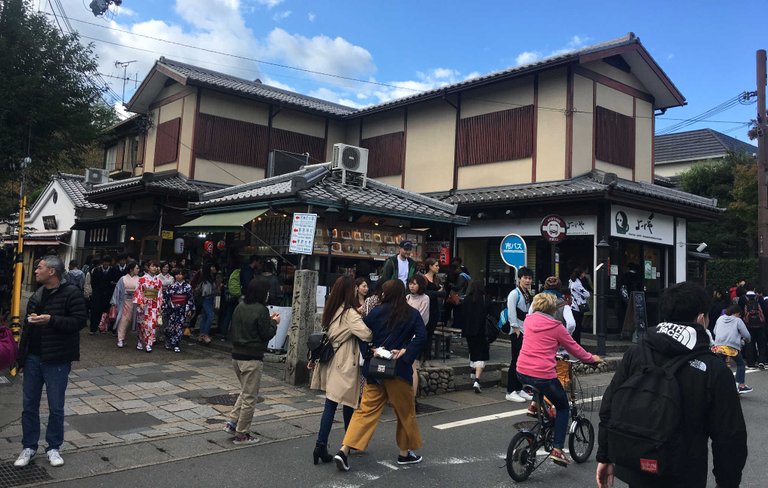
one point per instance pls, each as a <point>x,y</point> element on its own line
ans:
<point>400,266</point>
<point>668,397</point>
<point>518,302</point>
<point>753,314</point>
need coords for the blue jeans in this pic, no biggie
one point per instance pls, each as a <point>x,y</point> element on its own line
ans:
<point>55,377</point>
<point>741,369</point>
<point>553,390</point>
<point>326,421</point>
<point>205,325</point>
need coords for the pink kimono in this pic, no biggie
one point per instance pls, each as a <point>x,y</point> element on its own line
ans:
<point>149,294</point>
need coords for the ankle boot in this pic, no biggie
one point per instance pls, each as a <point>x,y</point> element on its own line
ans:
<point>321,452</point>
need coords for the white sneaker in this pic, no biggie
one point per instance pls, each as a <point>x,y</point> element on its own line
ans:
<point>476,387</point>
<point>120,343</point>
<point>55,458</point>
<point>26,455</point>
<point>514,397</point>
<point>524,395</point>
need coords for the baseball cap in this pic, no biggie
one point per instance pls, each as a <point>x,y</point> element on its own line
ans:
<point>407,245</point>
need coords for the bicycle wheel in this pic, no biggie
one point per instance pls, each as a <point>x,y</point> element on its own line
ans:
<point>582,440</point>
<point>521,456</point>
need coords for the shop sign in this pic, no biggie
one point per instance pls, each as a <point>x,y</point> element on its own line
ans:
<point>167,235</point>
<point>553,228</point>
<point>642,225</point>
<point>302,233</point>
<point>513,251</point>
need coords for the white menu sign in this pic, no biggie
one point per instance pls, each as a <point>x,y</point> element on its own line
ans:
<point>642,225</point>
<point>302,233</point>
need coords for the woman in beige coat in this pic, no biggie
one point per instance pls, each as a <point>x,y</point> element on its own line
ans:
<point>340,377</point>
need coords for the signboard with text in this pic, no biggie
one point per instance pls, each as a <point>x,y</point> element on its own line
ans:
<point>553,228</point>
<point>513,251</point>
<point>642,225</point>
<point>302,233</point>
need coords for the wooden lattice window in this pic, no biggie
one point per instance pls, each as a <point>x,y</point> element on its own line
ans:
<point>614,137</point>
<point>167,142</point>
<point>385,154</point>
<point>498,136</point>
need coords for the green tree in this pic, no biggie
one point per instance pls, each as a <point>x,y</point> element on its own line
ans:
<point>50,108</point>
<point>733,181</point>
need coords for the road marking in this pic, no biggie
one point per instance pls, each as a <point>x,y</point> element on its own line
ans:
<point>497,416</point>
<point>389,465</point>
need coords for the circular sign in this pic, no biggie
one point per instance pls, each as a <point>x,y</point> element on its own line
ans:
<point>513,251</point>
<point>553,228</point>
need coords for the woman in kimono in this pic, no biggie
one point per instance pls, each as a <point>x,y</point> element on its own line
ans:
<point>122,299</point>
<point>166,279</point>
<point>149,300</point>
<point>178,304</point>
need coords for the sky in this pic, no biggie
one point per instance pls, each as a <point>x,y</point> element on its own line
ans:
<point>360,53</point>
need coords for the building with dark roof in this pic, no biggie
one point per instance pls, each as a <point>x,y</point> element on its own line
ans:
<point>676,153</point>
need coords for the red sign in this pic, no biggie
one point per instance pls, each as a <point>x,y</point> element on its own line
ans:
<point>553,228</point>
<point>445,255</point>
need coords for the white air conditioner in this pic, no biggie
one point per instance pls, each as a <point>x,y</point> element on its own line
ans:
<point>350,158</point>
<point>95,176</point>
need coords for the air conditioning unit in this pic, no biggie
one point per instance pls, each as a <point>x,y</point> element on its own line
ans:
<point>350,158</point>
<point>94,176</point>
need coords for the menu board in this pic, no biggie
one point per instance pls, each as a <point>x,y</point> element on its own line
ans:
<point>373,243</point>
<point>302,233</point>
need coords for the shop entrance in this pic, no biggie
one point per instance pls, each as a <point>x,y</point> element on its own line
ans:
<point>641,267</point>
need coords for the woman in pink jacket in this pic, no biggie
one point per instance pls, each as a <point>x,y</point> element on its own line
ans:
<point>536,365</point>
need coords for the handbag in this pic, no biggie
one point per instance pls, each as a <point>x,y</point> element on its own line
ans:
<point>112,313</point>
<point>104,322</point>
<point>9,349</point>
<point>453,298</point>
<point>320,348</point>
<point>584,307</point>
<point>491,329</point>
<point>381,369</point>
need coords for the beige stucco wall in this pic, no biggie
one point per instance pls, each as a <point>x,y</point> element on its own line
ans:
<point>394,180</point>
<point>615,73</point>
<point>514,94</point>
<point>614,100</point>
<point>302,123</point>
<point>384,123</point>
<point>583,126</point>
<point>234,108</point>
<point>495,174</point>
<point>172,90</point>
<point>643,141</point>
<point>429,147</point>
<point>165,167</point>
<point>187,136</point>
<point>171,110</point>
<point>551,127</point>
<point>149,149</point>
<point>621,171</point>
<point>673,169</point>
<point>218,172</point>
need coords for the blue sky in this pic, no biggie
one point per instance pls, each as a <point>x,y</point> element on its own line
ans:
<point>706,47</point>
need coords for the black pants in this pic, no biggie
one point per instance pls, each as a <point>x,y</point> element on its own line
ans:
<point>513,383</point>
<point>760,341</point>
<point>578,317</point>
<point>98,307</point>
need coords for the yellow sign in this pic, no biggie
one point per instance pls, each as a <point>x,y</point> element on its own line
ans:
<point>168,235</point>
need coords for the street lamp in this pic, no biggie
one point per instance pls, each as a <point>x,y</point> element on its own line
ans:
<point>331,218</point>
<point>603,270</point>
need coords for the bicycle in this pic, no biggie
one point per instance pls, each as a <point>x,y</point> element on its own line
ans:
<point>523,449</point>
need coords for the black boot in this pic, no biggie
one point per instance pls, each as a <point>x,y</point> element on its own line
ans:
<point>321,452</point>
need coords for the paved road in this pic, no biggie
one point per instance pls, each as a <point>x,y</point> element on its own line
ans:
<point>459,455</point>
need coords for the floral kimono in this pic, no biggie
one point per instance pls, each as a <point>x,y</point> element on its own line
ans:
<point>148,294</point>
<point>178,302</point>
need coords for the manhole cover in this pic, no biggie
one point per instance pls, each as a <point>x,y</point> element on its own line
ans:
<point>425,408</point>
<point>223,399</point>
<point>13,476</point>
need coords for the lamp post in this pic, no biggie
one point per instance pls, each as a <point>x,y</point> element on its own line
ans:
<point>604,264</point>
<point>331,218</point>
<point>19,260</point>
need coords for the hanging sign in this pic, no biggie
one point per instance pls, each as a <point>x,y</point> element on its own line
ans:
<point>513,251</point>
<point>302,233</point>
<point>553,228</point>
<point>178,246</point>
<point>167,235</point>
<point>642,225</point>
<point>208,247</point>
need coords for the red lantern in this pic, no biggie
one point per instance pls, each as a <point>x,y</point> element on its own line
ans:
<point>208,247</point>
<point>221,245</point>
<point>445,256</point>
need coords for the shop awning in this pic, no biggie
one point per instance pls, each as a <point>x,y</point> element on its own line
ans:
<point>221,222</point>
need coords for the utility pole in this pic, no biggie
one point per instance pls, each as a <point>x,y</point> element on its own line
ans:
<point>762,160</point>
<point>124,65</point>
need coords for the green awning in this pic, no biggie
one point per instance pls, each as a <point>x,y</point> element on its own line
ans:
<point>221,222</point>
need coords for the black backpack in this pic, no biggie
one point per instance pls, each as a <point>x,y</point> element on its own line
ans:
<point>753,313</point>
<point>644,429</point>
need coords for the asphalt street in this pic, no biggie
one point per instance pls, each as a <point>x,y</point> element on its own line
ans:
<point>456,453</point>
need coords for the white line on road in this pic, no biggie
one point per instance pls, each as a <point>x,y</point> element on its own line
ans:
<point>389,465</point>
<point>497,416</point>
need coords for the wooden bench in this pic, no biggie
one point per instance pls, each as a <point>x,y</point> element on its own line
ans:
<point>442,333</point>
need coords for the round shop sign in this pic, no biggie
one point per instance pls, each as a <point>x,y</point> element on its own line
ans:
<point>553,228</point>
<point>513,251</point>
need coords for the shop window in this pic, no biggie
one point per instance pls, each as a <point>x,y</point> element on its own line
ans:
<point>614,137</point>
<point>167,145</point>
<point>499,136</point>
<point>385,154</point>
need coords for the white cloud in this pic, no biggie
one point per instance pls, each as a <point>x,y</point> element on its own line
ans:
<point>121,11</point>
<point>311,16</point>
<point>527,57</point>
<point>670,57</point>
<point>574,43</point>
<point>269,3</point>
<point>281,15</point>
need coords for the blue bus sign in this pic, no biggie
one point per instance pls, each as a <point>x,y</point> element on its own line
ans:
<point>514,251</point>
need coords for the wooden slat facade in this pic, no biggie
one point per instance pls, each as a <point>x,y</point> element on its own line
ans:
<point>614,137</point>
<point>284,140</point>
<point>167,145</point>
<point>498,136</point>
<point>231,141</point>
<point>385,154</point>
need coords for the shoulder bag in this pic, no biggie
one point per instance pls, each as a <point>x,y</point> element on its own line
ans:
<point>381,368</point>
<point>320,347</point>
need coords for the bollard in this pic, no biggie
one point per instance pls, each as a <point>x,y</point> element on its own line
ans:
<point>302,324</point>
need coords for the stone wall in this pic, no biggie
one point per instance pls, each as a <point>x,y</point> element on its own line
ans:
<point>436,381</point>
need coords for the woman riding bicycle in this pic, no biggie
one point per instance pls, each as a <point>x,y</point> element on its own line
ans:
<point>536,364</point>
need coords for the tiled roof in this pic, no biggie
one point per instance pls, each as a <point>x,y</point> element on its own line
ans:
<point>320,186</point>
<point>74,185</point>
<point>696,145</point>
<point>213,79</point>
<point>593,183</point>
<point>166,181</point>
